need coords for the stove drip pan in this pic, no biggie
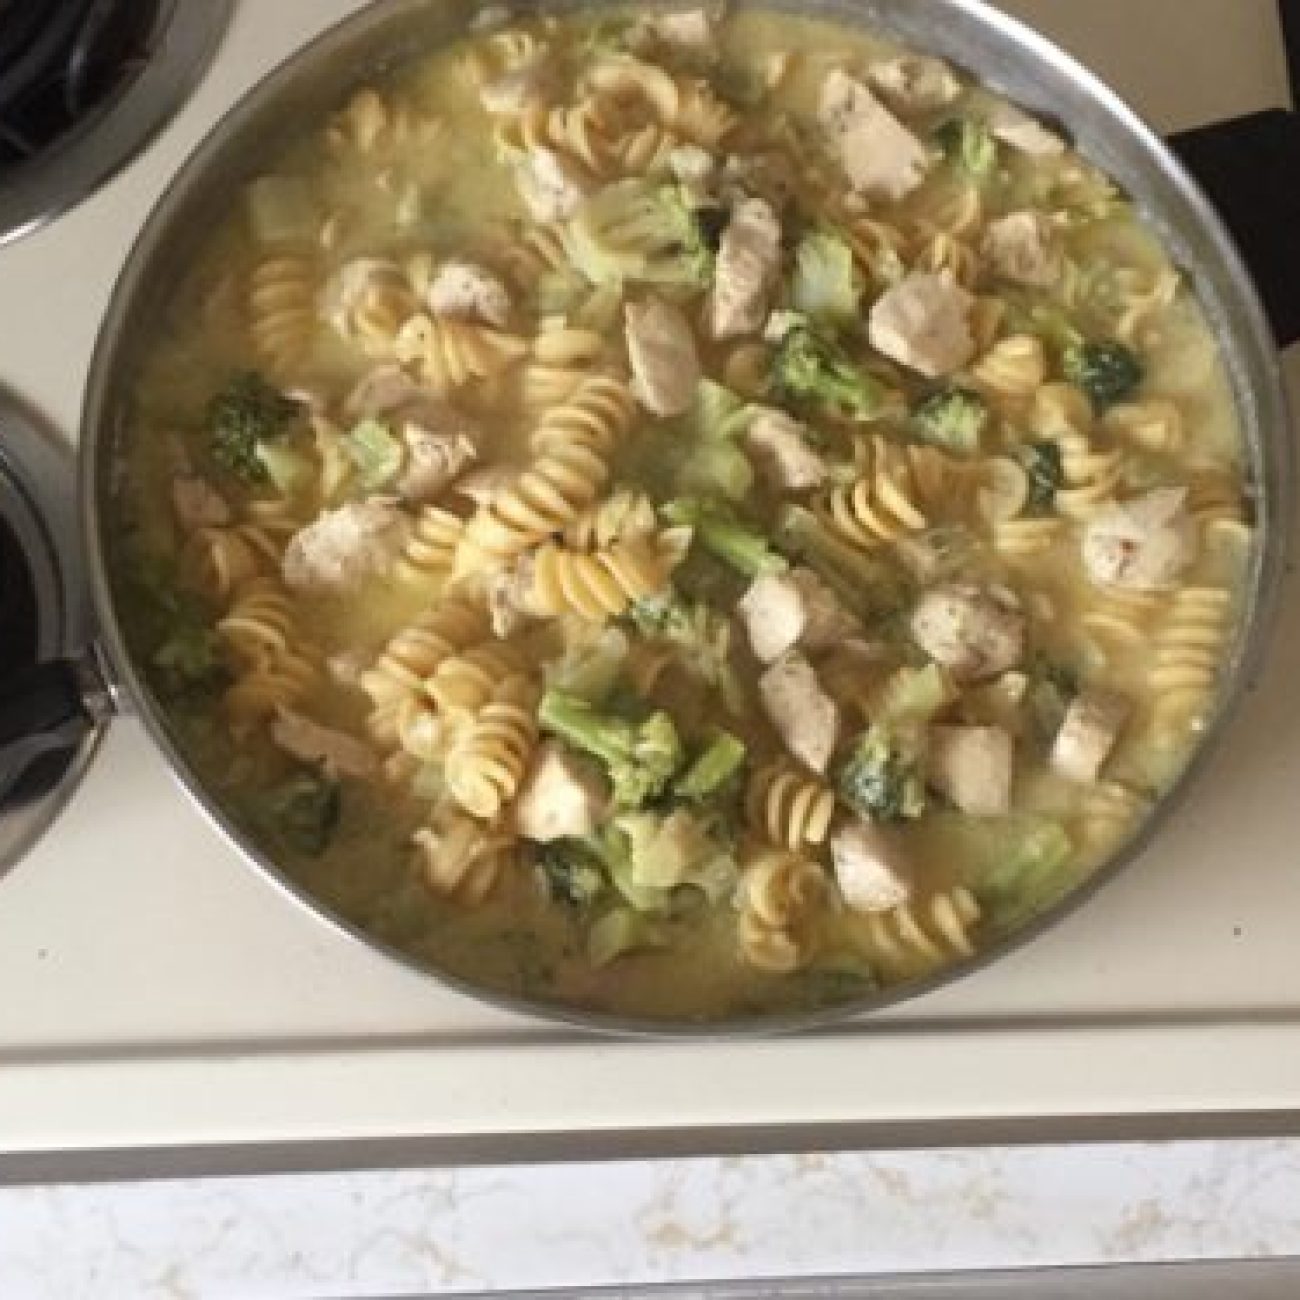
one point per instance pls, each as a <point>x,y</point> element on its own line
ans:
<point>43,613</point>
<point>84,86</point>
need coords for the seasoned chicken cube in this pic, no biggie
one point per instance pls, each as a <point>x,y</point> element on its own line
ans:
<point>335,751</point>
<point>976,632</point>
<point>345,547</point>
<point>661,350</point>
<point>804,716</point>
<point>782,610</point>
<point>914,83</point>
<point>689,29</point>
<point>973,767</point>
<point>880,156</point>
<point>1016,128</point>
<point>1089,732</point>
<point>923,322</point>
<point>197,504</point>
<point>748,264</point>
<point>1022,246</point>
<point>779,445</point>
<point>550,185</point>
<point>468,291</point>
<point>563,797</point>
<point>1144,544</point>
<point>434,460</point>
<point>870,867</point>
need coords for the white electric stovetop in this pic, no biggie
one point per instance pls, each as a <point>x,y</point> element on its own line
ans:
<point>159,994</point>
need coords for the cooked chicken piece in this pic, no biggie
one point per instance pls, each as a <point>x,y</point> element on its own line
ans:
<point>483,486</point>
<point>197,504</point>
<point>696,170</point>
<point>779,445</point>
<point>434,460</point>
<point>782,610</point>
<point>748,264</point>
<point>335,751</point>
<point>804,716</point>
<point>550,185</point>
<point>1014,127</point>
<point>870,867</point>
<point>661,350</point>
<point>923,322</point>
<point>344,547</point>
<point>1143,544</point>
<point>1022,247</point>
<point>770,176</point>
<point>973,767</point>
<point>974,631</point>
<point>509,597</point>
<point>880,156</point>
<point>512,92</point>
<point>384,389</point>
<point>563,797</point>
<point>1088,734</point>
<point>913,83</point>
<point>468,291</point>
<point>690,29</point>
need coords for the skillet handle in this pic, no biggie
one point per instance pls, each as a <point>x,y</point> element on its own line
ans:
<point>1250,168</point>
<point>44,709</point>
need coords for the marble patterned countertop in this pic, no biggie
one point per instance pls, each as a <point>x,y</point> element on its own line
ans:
<point>562,1227</point>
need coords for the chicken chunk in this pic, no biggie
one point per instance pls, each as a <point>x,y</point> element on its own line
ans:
<point>782,610</point>
<point>779,445</point>
<point>335,751</point>
<point>975,632</point>
<point>550,185</point>
<point>468,291</point>
<point>689,30</point>
<point>973,767</point>
<point>510,597</point>
<point>870,867</point>
<point>1144,544</point>
<point>563,797</point>
<point>661,350</point>
<point>434,460</point>
<point>1016,128</point>
<point>512,92</point>
<point>914,83</point>
<point>880,156</point>
<point>345,547</point>
<point>923,322</point>
<point>1089,732</point>
<point>197,504</point>
<point>805,717</point>
<point>1022,247</point>
<point>748,264</point>
<point>696,169</point>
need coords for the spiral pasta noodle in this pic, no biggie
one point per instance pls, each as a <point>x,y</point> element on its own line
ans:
<point>1189,648</point>
<point>461,859</point>
<point>451,353</point>
<point>487,765</point>
<point>781,895</point>
<point>1012,370</point>
<point>466,682</point>
<point>371,123</point>
<point>922,934</point>
<point>220,559</point>
<point>1155,424</point>
<point>281,301</point>
<point>599,585</point>
<point>788,808</point>
<point>430,551</point>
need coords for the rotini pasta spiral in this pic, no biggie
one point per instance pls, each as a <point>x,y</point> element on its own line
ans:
<point>373,124</point>
<point>462,859</point>
<point>921,934</point>
<point>789,808</point>
<point>430,551</point>
<point>1012,370</point>
<point>466,682</point>
<point>1109,813</point>
<point>781,895</point>
<point>489,761</point>
<point>572,444</point>
<point>221,559</point>
<point>281,298</point>
<point>368,302</point>
<point>1189,648</point>
<point>451,353</point>
<point>600,585</point>
<point>942,253</point>
<point>1155,424</point>
<point>1092,473</point>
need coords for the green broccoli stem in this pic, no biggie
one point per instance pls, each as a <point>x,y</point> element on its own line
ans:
<point>717,764</point>
<point>576,722</point>
<point>738,545</point>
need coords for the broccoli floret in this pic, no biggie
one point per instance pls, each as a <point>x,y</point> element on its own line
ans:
<point>953,418</point>
<point>704,637</point>
<point>1042,462</point>
<point>1107,372</point>
<point>573,872</point>
<point>813,368</point>
<point>723,535</point>
<point>245,414</point>
<point>640,758</point>
<point>714,768</point>
<point>826,284</point>
<point>866,585</point>
<point>969,144</point>
<point>882,778</point>
<point>189,660</point>
<point>302,813</point>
